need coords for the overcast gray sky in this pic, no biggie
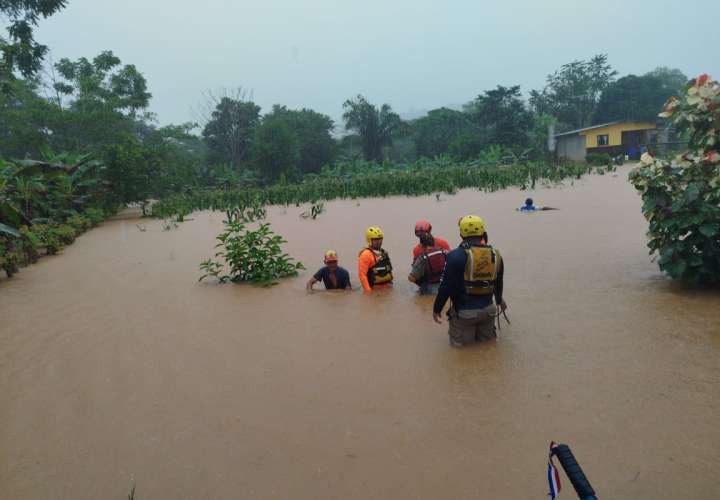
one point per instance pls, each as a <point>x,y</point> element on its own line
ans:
<point>413,54</point>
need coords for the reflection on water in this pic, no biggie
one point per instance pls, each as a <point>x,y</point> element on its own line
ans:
<point>115,364</point>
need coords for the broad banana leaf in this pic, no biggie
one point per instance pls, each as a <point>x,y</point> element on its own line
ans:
<point>9,230</point>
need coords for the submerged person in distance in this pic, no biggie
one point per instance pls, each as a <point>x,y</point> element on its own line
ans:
<point>423,227</point>
<point>530,207</point>
<point>428,266</point>
<point>374,266</point>
<point>333,276</point>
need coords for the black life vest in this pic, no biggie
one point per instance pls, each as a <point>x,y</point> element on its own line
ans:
<point>434,264</point>
<point>481,268</point>
<point>381,271</point>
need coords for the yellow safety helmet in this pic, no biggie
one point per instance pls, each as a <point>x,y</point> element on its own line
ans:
<point>471,225</point>
<point>373,233</point>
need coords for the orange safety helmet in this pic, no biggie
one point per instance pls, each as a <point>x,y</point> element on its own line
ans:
<point>422,226</point>
<point>330,256</point>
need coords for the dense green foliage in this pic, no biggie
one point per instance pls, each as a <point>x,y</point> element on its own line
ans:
<point>598,159</point>
<point>573,92</point>
<point>423,177</point>
<point>377,127</point>
<point>250,255</point>
<point>229,132</point>
<point>45,205</point>
<point>97,106</point>
<point>20,52</point>
<point>315,146</point>
<point>682,197</point>
<point>276,149</point>
<point>636,97</point>
<point>502,116</point>
<point>440,131</point>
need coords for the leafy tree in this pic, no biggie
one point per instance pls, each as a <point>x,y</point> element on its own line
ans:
<point>276,150</point>
<point>178,158</point>
<point>312,132</point>
<point>129,170</point>
<point>350,147</point>
<point>24,118</point>
<point>230,130</point>
<point>502,113</point>
<point>435,132</point>
<point>20,51</point>
<point>542,125</point>
<point>572,93</point>
<point>633,97</point>
<point>97,103</point>
<point>103,82</point>
<point>376,127</point>
<point>468,145</point>
<point>673,80</point>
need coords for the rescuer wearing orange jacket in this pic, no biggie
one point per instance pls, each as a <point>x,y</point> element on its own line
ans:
<point>374,266</point>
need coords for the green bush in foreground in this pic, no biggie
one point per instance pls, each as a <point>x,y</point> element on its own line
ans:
<point>682,197</point>
<point>254,256</point>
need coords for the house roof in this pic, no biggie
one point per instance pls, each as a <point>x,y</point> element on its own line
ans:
<point>589,128</point>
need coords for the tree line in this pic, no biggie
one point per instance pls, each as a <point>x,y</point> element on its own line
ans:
<point>100,106</point>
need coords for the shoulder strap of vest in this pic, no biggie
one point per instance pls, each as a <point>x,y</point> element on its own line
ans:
<point>433,250</point>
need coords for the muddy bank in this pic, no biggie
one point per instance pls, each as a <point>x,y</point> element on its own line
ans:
<point>116,365</point>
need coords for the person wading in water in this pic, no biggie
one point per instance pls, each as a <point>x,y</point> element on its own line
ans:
<point>423,227</point>
<point>428,266</point>
<point>333,276</point>
<point>374,267</point>
<point>473,275</point>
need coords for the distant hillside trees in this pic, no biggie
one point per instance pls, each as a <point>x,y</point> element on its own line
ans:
<point>638,97</point>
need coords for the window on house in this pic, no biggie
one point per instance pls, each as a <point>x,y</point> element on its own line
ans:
<point>603,140</point>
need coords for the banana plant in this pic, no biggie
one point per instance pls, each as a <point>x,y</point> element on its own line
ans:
<point>28,189</point>
<point>11,216</point>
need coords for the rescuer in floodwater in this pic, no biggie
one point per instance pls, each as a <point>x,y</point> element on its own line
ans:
<point>424,227</point>
<point>530,207</point>
<point>333,276</point>
<point>374,267</point>
<point>428,266</point>
<point>473,275</point>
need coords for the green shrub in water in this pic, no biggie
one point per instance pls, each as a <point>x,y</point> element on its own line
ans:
<point>250,255</point>
<point>599,159</point>
<point>96,216</point>
<point>66,233</point>
<point>49,237</point>
<point>682,197</point>
<point>79,223</point>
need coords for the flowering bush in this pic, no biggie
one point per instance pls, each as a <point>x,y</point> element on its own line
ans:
<point>682,197</point>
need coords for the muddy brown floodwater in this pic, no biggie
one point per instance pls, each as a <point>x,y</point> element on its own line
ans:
<point>117,366</point>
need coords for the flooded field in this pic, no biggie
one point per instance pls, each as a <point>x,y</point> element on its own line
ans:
<point>116,366</point>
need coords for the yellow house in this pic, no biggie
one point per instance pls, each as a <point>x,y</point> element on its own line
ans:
<point>619,137</point>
